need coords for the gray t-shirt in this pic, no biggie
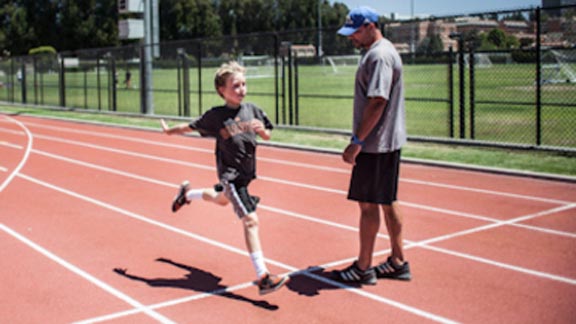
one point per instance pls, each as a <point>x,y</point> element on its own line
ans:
<point>380,75</point>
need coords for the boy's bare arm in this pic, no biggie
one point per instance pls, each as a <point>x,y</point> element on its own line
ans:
<point>178,129</point>
<point>259,129</point>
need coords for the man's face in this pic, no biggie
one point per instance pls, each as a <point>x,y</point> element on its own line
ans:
<point>361,38</point>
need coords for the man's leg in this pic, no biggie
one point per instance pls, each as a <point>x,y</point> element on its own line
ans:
<point>394,223</point>
<point>369,227</point>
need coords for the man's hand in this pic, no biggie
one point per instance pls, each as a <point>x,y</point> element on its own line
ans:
<point>351,152</point>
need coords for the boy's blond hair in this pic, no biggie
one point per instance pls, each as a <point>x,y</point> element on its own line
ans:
<point>225,71</point>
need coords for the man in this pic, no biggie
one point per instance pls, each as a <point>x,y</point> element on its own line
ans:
<point>378,134</point>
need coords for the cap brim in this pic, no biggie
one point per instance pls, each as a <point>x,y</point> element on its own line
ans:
<point>347,31</point>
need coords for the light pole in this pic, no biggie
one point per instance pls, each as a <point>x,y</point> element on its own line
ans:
<point>412,26</point>
<point>320,28</point>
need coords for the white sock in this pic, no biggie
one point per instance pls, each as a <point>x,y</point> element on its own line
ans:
<point>194,194</point>
<point>258,263</point>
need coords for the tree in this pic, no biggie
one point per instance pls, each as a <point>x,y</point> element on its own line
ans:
<point>187,19</point>
<point>497,37</point>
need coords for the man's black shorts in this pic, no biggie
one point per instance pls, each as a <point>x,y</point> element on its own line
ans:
<point>375,178</point>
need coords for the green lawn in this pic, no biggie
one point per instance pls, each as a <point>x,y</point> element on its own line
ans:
<point>505,109</point>
<point>516,160</point>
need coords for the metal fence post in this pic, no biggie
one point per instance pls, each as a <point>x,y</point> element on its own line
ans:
<point>296,92</point>
<point>200,63</point>
<point>62,83</point>
<point>276,92</point>
<point>23,81</point>
<point>472,84</point>
<point>538,77</point>
<point>451,91</point>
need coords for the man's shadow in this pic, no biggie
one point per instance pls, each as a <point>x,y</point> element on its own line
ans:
<point>311,281</point>
<point>197,280</point>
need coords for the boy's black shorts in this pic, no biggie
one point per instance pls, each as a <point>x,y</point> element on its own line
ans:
<point>237,193</point>
<point>375,178</point>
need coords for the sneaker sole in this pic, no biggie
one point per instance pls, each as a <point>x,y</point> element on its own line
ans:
<point>403,277</point>
<point>281,284</point>
<point>175,205</point>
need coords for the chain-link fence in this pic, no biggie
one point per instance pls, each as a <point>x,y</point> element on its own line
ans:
<point>456,89</point>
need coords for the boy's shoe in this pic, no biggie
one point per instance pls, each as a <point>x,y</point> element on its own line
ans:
<point>390,270</point>
<point>270,283</point>
<point>180,199</point>
<point>353,274</point>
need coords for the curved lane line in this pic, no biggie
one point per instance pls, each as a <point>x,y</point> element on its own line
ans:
<point>24,159</point>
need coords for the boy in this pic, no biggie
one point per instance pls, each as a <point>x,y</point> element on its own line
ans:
<point>235,126</point>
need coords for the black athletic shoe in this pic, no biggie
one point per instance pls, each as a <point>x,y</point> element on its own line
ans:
<point>390,270</point>
<point>180,199</point>
<point>270,283</point>
<point>353,274</point>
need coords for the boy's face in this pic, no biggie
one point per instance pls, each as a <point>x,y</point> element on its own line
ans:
<point>234,90</point>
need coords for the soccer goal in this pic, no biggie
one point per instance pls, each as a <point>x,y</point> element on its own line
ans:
<point>258,66</point>
<point>340,63</point>
<point>481,60</point>
<point>558,67</point>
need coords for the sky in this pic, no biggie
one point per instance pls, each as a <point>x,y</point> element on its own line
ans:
<point>438,7</point>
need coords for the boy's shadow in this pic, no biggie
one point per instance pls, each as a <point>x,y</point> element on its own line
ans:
<point>311,281</point>
<point>197,280</point>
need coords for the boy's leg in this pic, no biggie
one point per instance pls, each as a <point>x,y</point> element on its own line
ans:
<point>245,208</point>
<point>186,195</point>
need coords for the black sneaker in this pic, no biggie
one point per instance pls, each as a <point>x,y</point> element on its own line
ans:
<point>270,283</point>
<point>353,274</point>
<point>390,270</point>
<point>180,199</point>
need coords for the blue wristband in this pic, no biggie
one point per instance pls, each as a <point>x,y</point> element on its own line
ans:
<point>356,140</point>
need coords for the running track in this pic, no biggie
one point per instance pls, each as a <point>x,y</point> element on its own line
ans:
<point>78,201</point>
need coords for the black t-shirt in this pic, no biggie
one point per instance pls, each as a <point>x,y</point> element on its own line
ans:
<point>235,140</point>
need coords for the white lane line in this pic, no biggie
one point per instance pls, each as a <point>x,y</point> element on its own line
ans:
<point>85,275</point>
<point>11,145</point>
<point>424,243</point>
<point>297,164</point>
<point>24,157</point>
<point>284,182</point>
<point>222,246</point>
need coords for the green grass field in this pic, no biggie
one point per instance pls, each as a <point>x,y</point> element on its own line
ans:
<point>506,159</point>
<point>505,108</point>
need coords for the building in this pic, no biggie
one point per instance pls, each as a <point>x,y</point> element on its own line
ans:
<point>556,3</point>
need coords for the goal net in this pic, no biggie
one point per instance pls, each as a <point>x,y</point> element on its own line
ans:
<point>558,67</point>
<point>258,66</point>
<point>481,60</point>
<point>340,63</point>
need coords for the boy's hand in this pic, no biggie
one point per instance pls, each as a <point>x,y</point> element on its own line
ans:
<point>258,128</point>
<point>164,125</point>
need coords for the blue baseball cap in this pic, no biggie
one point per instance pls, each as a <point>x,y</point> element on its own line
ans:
<point>356,18</point>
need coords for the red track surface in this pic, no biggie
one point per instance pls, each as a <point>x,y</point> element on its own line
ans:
<point>78,201</point>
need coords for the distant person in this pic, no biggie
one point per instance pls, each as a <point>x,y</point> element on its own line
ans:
<point>235,125</point>
<point>128,79</point>
<point>379,132</point>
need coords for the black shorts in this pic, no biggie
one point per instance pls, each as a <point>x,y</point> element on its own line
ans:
<point>237,193</point>
<point>375,178</point>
